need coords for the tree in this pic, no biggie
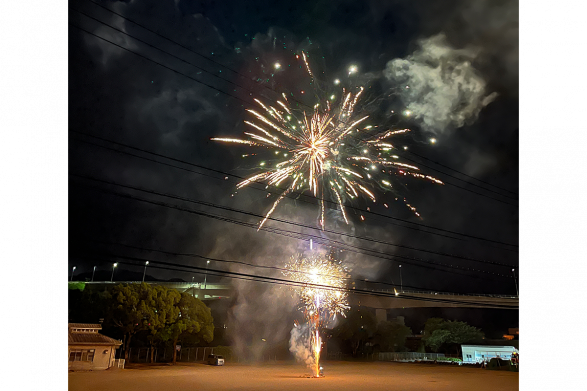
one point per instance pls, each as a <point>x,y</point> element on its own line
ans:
<point>391,336</point>
<point>129,310</point>
<point>193,322</point>
<point>439,332</point>
<point>164,301</point>
<point>357,328</point>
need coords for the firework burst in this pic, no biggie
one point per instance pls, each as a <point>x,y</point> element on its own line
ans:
<point>330,151</point>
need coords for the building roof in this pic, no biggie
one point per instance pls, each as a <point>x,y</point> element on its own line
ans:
<point>85,326</point>
<point>89,338</point>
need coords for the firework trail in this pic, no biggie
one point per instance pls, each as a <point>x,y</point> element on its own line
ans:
<point>322,294</point>
<point>329,151</point>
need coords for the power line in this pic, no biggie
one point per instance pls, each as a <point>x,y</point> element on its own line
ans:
<point>162,65</point>
<point>193,255</point>
<point>298,235</point>
<point>230,209</point>
<point>225,93</point>
<point>293,193</point>
<point>262,85</point>
<point>282,281</point>
<point>205,83</point>
<point>462,173</point>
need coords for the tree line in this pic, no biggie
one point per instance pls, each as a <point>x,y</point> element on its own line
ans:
<point>361,333</point>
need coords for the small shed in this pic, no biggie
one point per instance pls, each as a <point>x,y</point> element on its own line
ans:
<point>479,353</point>
<point>88,349</point>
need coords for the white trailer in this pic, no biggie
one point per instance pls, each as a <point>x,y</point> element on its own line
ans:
<point>478,353</point>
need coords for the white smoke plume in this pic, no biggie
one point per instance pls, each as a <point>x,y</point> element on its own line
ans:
<point>439,85</point>
<point>299,345</point>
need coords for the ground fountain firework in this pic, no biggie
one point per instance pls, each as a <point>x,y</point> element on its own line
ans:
<point>322,288</point>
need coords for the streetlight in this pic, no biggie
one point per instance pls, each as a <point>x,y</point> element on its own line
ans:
<point>93,272</point>
<point>515,282</point>
<point>205,276</point>
<point>72,270</point>
<point>112,276</point>
<point>401,284</point>
<point>144,271</point>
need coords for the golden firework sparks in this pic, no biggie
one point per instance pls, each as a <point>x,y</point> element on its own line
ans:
<point>323,294</point>
<point>318,149</point>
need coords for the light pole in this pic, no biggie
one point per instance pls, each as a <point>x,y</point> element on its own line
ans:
<point>205,276</point>
<point>515,282</point>
<point>401,283</point>
<point>144,271</point>
<point>112,276</point>
<point>93,272</point>
<point>72,270</point>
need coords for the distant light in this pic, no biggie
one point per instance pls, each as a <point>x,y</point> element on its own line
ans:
<point>336,82</point>
<point>365,151</point>
<point>263,163</point>
<point>207,262</point>
<point>146,263</point>
<point>407,113</point>
<point>302,91</point>
<point>353,69</point>
<point>277,65</point>
<point>407,86</point>
<point>405,148</point>
<point>332,97</point>
<point>116,264</point>
<point>433,140</point>
<point>373,167</point>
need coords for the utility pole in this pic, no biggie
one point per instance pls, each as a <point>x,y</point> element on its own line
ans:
<point>112,276</point>
<point>72,270</point>
<point>401,283</point>
<point>206,276</point>
<point>144,271</point>
<point>516,282</point>
<point>93,272</point>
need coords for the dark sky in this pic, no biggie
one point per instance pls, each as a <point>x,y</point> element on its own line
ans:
<point>460,58</point>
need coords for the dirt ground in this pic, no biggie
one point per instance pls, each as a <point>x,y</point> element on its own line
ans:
<point>339,376</point>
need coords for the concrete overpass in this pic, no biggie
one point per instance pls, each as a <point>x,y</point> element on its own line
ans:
<point>377,299</point>
<point>419,299</point>
<point>198,290</point>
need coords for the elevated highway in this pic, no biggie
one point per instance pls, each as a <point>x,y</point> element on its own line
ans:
<point>374,299</point>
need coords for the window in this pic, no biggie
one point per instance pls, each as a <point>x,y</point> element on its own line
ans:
<point>81,355</point>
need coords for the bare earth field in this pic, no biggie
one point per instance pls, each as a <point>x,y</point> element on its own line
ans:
<point>340,375</point>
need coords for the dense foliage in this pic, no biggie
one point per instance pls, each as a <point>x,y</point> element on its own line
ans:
<point>159,314</point>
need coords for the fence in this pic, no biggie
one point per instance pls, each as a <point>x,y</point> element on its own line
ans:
<point>138,355</point>
<point>409,356</point>
<point>118,363</point>
<point>195,354</point>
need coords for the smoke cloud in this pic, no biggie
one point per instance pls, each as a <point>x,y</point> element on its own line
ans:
<point>299,345</point>
<point>439,85</point>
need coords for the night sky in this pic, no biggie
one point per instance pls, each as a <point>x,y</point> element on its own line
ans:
<point>459,58</point>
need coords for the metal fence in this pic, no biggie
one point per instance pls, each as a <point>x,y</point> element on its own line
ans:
<point>192,354</point>
<point>138,355</point>
<point>409,356</point>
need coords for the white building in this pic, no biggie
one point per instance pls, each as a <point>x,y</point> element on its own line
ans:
<point>88,349</point>
<point>479,353</point>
